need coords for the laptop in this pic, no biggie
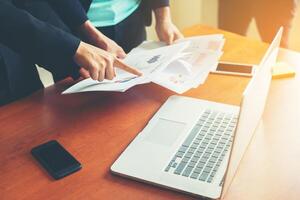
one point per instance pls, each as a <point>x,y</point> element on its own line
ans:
<point>195,146</point>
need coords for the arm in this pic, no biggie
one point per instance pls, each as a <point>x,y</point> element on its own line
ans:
<point>49,46</point>
<point>74,15</point>
<point>37,41</point>
<point>71,12</point>
<point>93,36</point>
<point>165,29</point>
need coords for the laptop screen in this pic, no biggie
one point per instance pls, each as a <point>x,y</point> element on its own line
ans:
<point>252,108</point>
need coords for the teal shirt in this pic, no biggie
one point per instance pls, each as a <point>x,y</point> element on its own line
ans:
<point>111,12</point>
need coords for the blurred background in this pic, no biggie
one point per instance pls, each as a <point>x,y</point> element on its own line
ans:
<point>191,12</point>
<point>186,13</point>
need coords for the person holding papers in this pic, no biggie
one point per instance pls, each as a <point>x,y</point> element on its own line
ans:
<point>32,33</point>
<point>117,26</point>
<point>57,35</point>
<point>124,21</point>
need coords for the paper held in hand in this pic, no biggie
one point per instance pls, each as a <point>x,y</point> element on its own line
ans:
<point>178,67</point>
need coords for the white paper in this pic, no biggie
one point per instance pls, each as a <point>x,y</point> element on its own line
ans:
<point>213,42</point>
<point>148,62</point>
<point>188,71</point>
<point>178,67</point>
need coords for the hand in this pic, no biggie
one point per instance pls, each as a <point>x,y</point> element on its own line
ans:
<point>98,63</point>
<point>84,73</point>
<point>165,29</point>
<point>89,33</point>
<point>167,32</point>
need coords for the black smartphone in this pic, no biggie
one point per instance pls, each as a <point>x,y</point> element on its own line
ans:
<point>57,161</point>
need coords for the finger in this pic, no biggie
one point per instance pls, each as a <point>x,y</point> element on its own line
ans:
<point>109,70</point>
<point>94,73</point>
<point>101,75</point>
<point>119,64</point>
<point>178,35</point>
<point>84,73</point>
<point>170,38</point>
<point>121,54</point>
<point>115,74</point>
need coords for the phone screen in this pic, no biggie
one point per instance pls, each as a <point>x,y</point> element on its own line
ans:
<point>55,159</point>
<point>235,68</point>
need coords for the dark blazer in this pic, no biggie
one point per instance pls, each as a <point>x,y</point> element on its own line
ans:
<point>40,42</point>
<point>44,43</point>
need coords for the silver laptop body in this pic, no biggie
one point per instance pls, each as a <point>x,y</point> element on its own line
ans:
<point>195,146</point>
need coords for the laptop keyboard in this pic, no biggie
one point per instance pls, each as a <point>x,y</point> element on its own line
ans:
<point>204,149</point>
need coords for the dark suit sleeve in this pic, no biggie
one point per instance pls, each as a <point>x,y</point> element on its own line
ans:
<point>158,3</point>
<point>148,5</point>
<point>40,42</point>
<point>72,12</point>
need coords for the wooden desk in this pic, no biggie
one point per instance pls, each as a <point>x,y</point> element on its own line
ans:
<point>97,127</point>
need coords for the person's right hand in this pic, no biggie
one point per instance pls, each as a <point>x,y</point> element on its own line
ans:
<point>99,63</point>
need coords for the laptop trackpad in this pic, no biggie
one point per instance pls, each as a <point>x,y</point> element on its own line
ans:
<point>165,132</point>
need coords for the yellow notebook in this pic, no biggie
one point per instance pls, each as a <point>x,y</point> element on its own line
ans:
<point>282,70</point>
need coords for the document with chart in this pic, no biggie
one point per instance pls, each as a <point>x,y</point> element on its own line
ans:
<point>178,67</point>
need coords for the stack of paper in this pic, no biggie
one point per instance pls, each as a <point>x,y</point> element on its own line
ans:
<point>178,67</point>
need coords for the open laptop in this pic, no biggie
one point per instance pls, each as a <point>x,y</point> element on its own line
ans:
<point>195,146</point>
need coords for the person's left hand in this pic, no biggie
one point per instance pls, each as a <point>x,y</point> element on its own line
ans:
<point>94,37</point>
<point>167,32</point>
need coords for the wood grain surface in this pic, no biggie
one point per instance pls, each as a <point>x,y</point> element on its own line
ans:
<point>96,128</point>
